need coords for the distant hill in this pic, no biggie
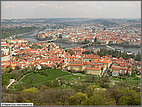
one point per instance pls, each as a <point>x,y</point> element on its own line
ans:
<point>105,22</point>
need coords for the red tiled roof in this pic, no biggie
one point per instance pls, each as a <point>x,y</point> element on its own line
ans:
<point>93,68</point>
<point>75,64</point>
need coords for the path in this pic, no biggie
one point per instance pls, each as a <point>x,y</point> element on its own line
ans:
<point>62,76</point>
<point>11,82</point>
<point>23,77</point>
<point>69,75</point>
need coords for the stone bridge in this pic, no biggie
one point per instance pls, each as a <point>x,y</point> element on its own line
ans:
<point>86,45</point>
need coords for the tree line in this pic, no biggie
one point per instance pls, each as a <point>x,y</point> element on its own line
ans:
<point>7,32</point>
<point>91,91</point>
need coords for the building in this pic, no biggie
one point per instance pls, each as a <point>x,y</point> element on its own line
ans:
<point>93,70</point>
<point>93,30</point>
<point>5,48</point>
<point>75,67</point>
<point>18,41</point>
<point>5,57</point>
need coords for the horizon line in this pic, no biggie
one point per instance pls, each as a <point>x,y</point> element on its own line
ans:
<point>68,18</point>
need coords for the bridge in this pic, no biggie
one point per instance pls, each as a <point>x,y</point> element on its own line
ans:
<point>89,44</point>
<point>110,47</point>
<point>86,45</point>
<point>49,41</point>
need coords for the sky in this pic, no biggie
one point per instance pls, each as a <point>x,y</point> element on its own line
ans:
<point>70,9</point>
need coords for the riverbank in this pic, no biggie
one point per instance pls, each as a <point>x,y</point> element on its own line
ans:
<point>18,36</point>
<point>132,46</point>
<point>69,44</point>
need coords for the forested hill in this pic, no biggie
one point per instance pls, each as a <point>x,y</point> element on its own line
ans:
<point>6,32</point>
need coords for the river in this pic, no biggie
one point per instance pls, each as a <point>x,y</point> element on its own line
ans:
<point>30,38</point>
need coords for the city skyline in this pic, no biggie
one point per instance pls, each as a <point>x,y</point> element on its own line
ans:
<point>67,9</point>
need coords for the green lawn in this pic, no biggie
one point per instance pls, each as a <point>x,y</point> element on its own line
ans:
<point>74,77</point>
<point>35,79</point>
<point>53,74</point>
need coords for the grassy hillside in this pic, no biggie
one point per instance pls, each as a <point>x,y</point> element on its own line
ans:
<point>37,78</point>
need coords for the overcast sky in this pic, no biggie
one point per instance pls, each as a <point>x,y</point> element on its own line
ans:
<point>71,9</point>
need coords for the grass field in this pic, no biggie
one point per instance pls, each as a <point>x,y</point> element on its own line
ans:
<point>35,79</point>
<point>70,77</point>
<point>38,78</point>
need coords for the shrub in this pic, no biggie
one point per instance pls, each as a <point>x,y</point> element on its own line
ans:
<point>90,89</point>
<point>79,99</point>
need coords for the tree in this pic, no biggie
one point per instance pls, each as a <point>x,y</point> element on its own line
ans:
<point>18,98</point>
<point>91,79</point>
<point>9,69</point>
<point>29,94</point>
<point>56,83</point>
<point>130,98</point>
<point>16,74</point>
<point>99,98</point>
<point>49,84</point>
<point>138,57</point>
<point>86,52</point>
<point>31,90</point>
<point>134,73</point>
<point>104,82</point>
<point>116,93</point>
<point>95,39</point>
<point>80,87</point>
<point>58,65</point>
<point>17,67</point>
<point>98,42</point>
<point>79,99</point>
<point>90,89</point>
<point>43,87</point>
<point>71,52</point>
<point>5,79</point>
<point>124,96</point>
<point>54,96</point>
<point>21,86</point>
<point>83,42</point>
<point>66,50</point>
<point>16,30</point>
<point>102,68</point>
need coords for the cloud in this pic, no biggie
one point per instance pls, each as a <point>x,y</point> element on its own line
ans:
<point>90,4</point>
<point>69,5</point>
<point>131,4</point>
<point>70,8</point>
<point>9,6</point>
<point>42,5</point>
<point>60,7</point>
<point>128,5</point>
<point>46,5</point>
<point>51,5</point>
<point>12,5</point>
<point>98,7</point>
